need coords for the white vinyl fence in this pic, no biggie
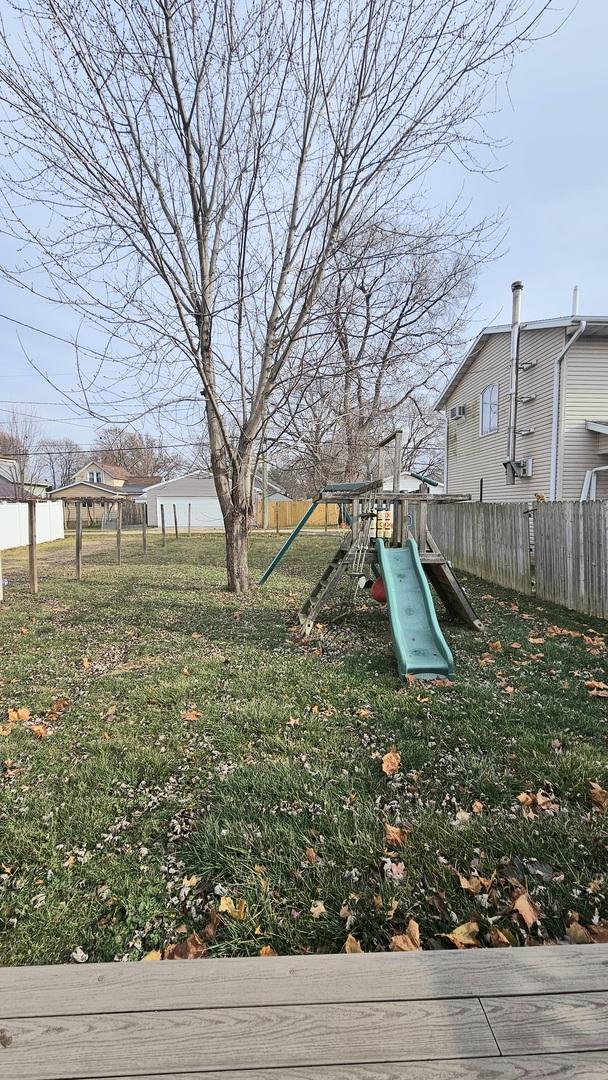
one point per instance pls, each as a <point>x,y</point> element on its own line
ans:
<point>13,523</point>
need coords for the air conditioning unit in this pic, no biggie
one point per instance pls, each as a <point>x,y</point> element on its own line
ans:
<point>456,412</point>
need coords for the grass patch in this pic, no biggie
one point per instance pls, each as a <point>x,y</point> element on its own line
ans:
<point>204,752</point>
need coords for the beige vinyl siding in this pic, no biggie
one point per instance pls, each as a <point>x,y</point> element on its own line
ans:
<point>471,455</point>
<point>584,397</point>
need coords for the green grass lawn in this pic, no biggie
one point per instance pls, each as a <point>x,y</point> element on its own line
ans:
<point>202,752</point>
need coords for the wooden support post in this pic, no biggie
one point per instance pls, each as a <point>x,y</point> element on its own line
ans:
<point>189,519</point>
<point>162,524</point>
<point>356,504</point>
<point>175,521</point>
<point>119,533</point>
<point>276,506</point>
<point>396,537</point>
<point>326,517</point>
<point>264,493</point>
<point>32,553</point>
<point>78,541</point>
<point>144,529</point>
<point>422,524</point>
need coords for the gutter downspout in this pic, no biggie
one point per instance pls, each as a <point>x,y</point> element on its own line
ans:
<point>516,288</point>
<point>557,371</point>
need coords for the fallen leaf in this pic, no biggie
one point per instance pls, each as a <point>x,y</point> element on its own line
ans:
<point>525,906</point>
<point>155,954</point>
<point>57,708</point>
<point>311,855</point>
<point>317,908</point>
<point>593,684</point>
<point>351,945</point>
<point>395,835</point>
<point>40,730</point>
<point>472,884</point>
<point>409,941</point>
<point>391,762</point>
<point>495,646</point>
<point>421,698</point>
<point>267,950</point>
<point>477,807</point>
<point>211,925</point>
<point>599,796</point>
<point>236,911</point>
<point>464,936</point>
<point>191,715</point>
<point>193,948</point>
<point>498,939</point>
<point>536,640</point>
<point>578,935</point>
<point>293,721</point>
<point>86,663</point>
<point>462,816</point>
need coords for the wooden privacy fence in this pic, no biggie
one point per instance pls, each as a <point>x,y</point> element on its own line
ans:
<point>571,546</point>
<point>286,514</point>
<point>491,540</point>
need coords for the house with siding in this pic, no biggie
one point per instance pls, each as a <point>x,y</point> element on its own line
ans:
<point>527,411</point>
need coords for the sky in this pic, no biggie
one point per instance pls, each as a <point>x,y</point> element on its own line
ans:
<point>551,187</point>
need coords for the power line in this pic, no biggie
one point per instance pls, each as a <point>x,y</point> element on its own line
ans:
<point>99,450</point>
<point>56,337</point>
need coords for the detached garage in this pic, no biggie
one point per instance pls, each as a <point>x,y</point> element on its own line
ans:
<point>196,490</point>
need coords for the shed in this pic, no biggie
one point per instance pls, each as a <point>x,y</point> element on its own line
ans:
<point>197,491</point>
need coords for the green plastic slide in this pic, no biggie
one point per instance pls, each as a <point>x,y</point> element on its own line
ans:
<point>420,647</point>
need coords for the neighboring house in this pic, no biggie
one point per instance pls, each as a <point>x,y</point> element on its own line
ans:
<point>9,475</point>
<point>195,490</point>
<point>114,476</point>
<point>407,482</point>
<point>549,437</point>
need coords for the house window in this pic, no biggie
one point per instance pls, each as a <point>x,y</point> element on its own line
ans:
<point>94,477</point>
<point>489,410</point>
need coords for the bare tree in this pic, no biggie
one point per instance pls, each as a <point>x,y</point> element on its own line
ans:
<point>140,454</point>
<point>201,163</point>
<point>61,458</point>
<point>18,442</point>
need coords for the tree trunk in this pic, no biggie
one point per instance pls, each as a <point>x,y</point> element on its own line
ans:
<point>236,524</point>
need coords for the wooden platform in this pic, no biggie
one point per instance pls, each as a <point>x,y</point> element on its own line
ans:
<point>507,1014</point>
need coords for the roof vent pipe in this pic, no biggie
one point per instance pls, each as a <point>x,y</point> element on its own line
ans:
<point>517,289</point>
<point>575,301</point>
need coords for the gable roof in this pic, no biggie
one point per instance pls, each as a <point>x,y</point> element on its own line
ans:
<point>115,471</point>
<point>201,474</point>
<point>595,325</point>
<point>116,493</point>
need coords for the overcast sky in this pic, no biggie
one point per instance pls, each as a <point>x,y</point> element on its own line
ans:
<point>552,188</point>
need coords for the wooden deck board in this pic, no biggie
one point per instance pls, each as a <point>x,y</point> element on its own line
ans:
<point>533,1067</point>
<point>299,980</point>
<point>275,1036</point>
<point>555,1022</point>
<point>422,1016</point>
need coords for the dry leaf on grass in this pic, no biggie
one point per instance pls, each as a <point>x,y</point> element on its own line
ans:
<point>193,948</point>
<point>578,935</point>
<point>599,796</point>
<point>464,936</point>
<point>540,800</point>
<point>155,954</point>
<point>498,939</point>
<point>311,855</point>
<point>391,762</point>
<point>40,730</point>
<point>395,835</point>
<point>317,908</point>
<point>527,909</point>
<point>477,807</point>
<point>191,715</point>
<point>495,646</point>
<point>351,945</point>
<point>86,663</point>
<point>409,941</point>
<point>58,707</point>
<point>267,950</point>
<point>236,911</point>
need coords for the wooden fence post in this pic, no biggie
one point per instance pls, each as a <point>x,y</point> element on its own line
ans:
<point>175,521</point>
<point>276,508</point>
<point>326,517</point>
<point>32,553</point>
<point>144,529</point>
<point>78,541</point>
<point>162,524</point>
<point>189,519</point>
<point>119,533</point>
